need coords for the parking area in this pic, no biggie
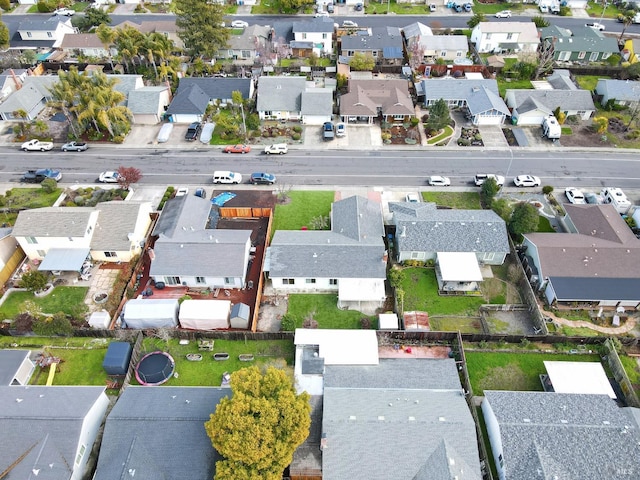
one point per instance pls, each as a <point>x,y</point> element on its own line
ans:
<point>358,137</point>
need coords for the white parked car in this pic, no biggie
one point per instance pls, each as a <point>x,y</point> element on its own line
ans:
<point>595,26</point>
<point>574,195</point>
<point>526,181</point>
<point>109,177</point>
<point>438,181</point>
<point>64,11</point>
<point>36,145</point>
<point>480,178</point>
<point>503,14</point>
<point>412,197</point>
<point>321,14</point>
<point>341,129</point>
<point>239,24</point>
<point>182,191</point>
<point>276,148</point>
<point>349,24</point>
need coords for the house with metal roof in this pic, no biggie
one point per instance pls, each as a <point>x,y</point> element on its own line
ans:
<point>532,106</point>
<point>195,94</point>
<point>596,263</point>
<point>621,92</point>
<point>49,432</point>
<point>547,436</point>
<point>580,44</point>
<point>188,253</point>
<point>384,44</point>
<point>350,259</point>
<point>479,98</point>
<point>413,413</point>
<point>505,37</point>
<point>61,238</point>
<point>385,99</point>
<point>248,47</point>
<point>313,36</point>
<point>157,432</point>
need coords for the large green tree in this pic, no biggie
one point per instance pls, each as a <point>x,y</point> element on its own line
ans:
<point>200,26</point>
<point>92,18</point>
<point>439,116</point>
<point>4,36</point>
<point>362,62</point>
<point>259,427</point>
<point>524,219</point>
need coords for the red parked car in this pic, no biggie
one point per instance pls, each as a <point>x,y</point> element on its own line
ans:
<point>237,149</point>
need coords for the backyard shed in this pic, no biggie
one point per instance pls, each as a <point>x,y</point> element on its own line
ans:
<point>116,361</point>
<point>100,319</point>
<point>149,313</point>
<point>205,314</point>
<point>16,367</point>
<point>240,314</point>
<point>388,321</point>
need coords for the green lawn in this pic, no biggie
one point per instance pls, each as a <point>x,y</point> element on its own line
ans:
<point>421,293</point>
<point>448,131</point>
<point>84,366</point>
<point>461,200</point>
<point>325,312</point>
<point>631,368</point>
<point>513,83</point>
<point>544,225</point>
<point>512,371</point>
<point>61,299</point>
<point>393,7</point>
<point>588,82</point>
<point>303,207</point>
<point>449,324</point>
<point>26,198</point>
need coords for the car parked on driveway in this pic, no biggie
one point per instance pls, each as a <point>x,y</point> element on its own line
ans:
<point>526,181</point>
<point>575,195</point>
<point>503,14</point>
<point>328,132</point>
<point>239,148</point>
<point>182,191</point>
<point>439,181</point>
<point>67,12</point>
<point>109,177</point>
<point>341,130</point>
<point>412,197</point>
<point>262,178</point>
<point>193,131</point>
<point>200,192</point>
<point>75,147</point>
<point>37,176</point>
<point>467,7</point>
<point>276,148</point>
<point>359,7</point>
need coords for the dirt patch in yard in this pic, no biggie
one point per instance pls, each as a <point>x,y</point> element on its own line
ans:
<point>583,136</point>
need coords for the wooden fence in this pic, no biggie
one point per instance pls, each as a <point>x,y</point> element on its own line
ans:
<point>613,360</point>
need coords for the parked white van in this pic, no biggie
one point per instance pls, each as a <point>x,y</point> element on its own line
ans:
<point>227,177</point>
<point>617,198</point>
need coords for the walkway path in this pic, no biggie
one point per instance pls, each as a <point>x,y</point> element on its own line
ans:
<point>626,328</point>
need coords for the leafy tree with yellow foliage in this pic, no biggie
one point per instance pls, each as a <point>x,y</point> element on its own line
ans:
<point>258,428</point>
<point>601,124</point>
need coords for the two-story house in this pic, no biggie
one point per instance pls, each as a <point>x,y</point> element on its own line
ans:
<point>434,47</point>
<point>505,37</point>
<point>384,44</point>
<point>580,44</point>
<point>315,36</point>
<point>49,31</point>
<point>248,47</point>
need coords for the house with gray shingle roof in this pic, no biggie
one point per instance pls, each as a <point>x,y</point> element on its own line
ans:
<point>580,44</point>
<point>49,432</point>
<point>384,44</point>
<point>547,436</point>
<point>16,367</point>
<point>148,104</point>
<point>44,31</point>
<point>195,94</point>
<point>350,259</point>
<point>293,98</point>
<point>423,232</point>
<point>531,106</point>
<point>480,98</point>
<point>110,232</point>
<point>413,414</point>
<point>621,92</point>
<point>246,48</point>
<point>368,100</point>
<point>187,253</point>
<point>316,106</point>
<point>31,97</point>
<point>157,432</point>
<point>314,36</point>
<point>597,262</point>
<point>447,47</point>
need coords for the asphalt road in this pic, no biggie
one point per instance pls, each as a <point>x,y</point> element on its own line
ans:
<point>335,167</point>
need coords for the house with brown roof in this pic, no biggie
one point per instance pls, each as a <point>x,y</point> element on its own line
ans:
<point>165,27</point>
<point>386,99</point>
<point>87,44</point>
<point>596,263</point>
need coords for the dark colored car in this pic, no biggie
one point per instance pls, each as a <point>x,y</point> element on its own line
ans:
<point>359,7</point>
<point>200,192</point>
<point>193,131</point>
<point>467,7</point>
<point>457,8</point>
<point>37,176</point>
<point>262,178</point>
<point>328,132</point>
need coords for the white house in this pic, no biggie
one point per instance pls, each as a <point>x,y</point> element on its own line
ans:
<point>50,29</point>
<point>531,107</point>
<point>87,44</point>
<point>498,37</point>
<point>317,34</point>
<point>622,92</point>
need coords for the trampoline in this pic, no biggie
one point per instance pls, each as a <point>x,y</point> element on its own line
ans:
<point>155,368</point>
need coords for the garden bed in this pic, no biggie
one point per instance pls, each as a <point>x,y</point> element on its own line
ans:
<point>470,137</point>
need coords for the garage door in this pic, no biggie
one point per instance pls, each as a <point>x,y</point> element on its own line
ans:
<point>489,120</point>
<point>529,120</point>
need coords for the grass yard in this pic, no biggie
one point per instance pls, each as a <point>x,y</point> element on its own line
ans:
<point>393,7</point>
<point>25,198</point>
<point>453,324</point>
<point>580,332</point>
<point>61,299</point>
<point>461,200</point>
<point>511,83</point>
<point>512,371</point>
<point>83,366</point>
<point>421,293</point>
<point>589,82</point>
<point>544,225</point>
<point>446,133</point>
<point>303,207</point>
<point>325,312</point>
<point>633,371</point>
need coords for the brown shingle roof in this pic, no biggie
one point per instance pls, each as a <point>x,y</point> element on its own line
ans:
<point>365,96</point>
<point>81,40</point>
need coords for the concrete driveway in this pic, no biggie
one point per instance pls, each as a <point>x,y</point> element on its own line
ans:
<point>493,137</point>
<point>358,137</point>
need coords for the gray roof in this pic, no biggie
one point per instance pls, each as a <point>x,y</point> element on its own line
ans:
<point>33,90</point>
<point>282,31</point>
<point>10,361</point>
<point>250,36</point>
<point>379,39</point>
<point>421,227</point>
<point>576,289</point>
<point>116,221</point>
<point>125,83</point>
<point>158,433</point>
<point>317,101</point>
<point>560,79</point>
<point>308,456</point>
<point>568,436</point>
<point>49,419</point>
<point>586,39</point>
<point>409,427</point>
<point>552,99</point>
<point>446,42</point>
<point>480,95</point>
<point>417,29</point>
<point>280,93</point>
<point>42,23</point>
<point>354,247</point>
<point>145,100</point>
<point>187,212</point>
<point>621,90</point>
<point>53,222</point>
<point>315,25</point>
<point>195,93</point>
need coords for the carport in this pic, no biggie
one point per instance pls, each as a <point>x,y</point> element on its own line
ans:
<point>64,260</point>
<point>458,271</point>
